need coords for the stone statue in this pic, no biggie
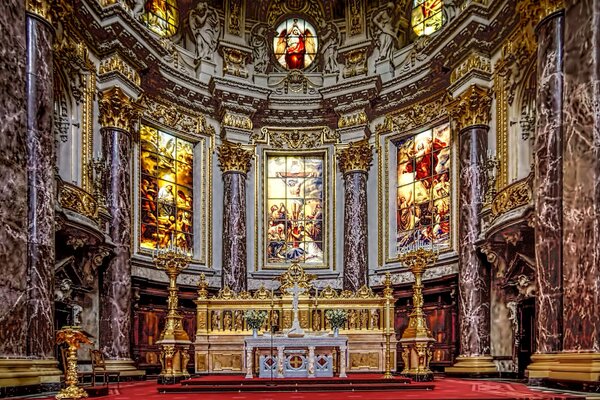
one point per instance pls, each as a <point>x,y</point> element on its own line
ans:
<point>76,313</point>
<point>385,32</point>
<point>450,10</point>
<point>260,48</point>
<point>138,8</point>
<point>330,40</point>
<point>316,322</point>
<point>205,27</point>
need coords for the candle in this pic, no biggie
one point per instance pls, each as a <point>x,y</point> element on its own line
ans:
<point>316,296</point>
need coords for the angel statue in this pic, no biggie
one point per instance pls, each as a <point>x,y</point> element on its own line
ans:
<point>385,31</point>
<point>260,47</point>
<point>205,27</point>
<point>295,49</point>
<point>330,40</point>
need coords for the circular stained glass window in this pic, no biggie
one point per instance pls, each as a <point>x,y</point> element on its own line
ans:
<point>296,43</point>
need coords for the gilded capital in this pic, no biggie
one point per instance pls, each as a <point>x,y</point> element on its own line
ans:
<point>117,109</point>
<point>40,8</point>
<point>471,108</point>
<point>536,10</point>
<point>234,158</point>
<point>356,157</point>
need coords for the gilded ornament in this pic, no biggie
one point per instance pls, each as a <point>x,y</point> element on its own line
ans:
<point>355,17</point>
<point>416,115</point>
<point>74,338</point>
<point>358,156</point>
<point>234,158</point>
<point>235,62</point>
<point>40,8</point>
<point>237,121</point>
<point>295,275</point>
<point>235,8</point>
<point>535,11</point>
<point>202,288</point>
<point>516,195</point>
<point>300,138</point>
<point>471,108</point>
<point>474,63</point>
<point>176,117</point>
<point>78,200</point>
<point>117,109</point>
<point>115,64</point>
<point>354,119</point>
<point>356,63</point>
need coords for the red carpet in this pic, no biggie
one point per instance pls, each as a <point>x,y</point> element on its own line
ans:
<point>445,389</point>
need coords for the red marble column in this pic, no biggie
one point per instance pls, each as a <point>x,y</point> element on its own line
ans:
<point>354,162</point>
<point>41,189</point>
<point>471,113</point>
<point>235,162</point>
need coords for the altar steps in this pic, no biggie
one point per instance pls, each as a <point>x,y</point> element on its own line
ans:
<point>237,384</point>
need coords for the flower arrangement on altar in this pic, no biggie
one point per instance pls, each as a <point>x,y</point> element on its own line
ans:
<point>255,319</point>
<point>337,317</point>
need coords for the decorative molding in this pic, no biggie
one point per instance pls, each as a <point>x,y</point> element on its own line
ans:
<point>355,62</point>
<point>76,199</point>
<point>116,64</point>
<point>353,119</point>
<point>415,115</point>
<point>235,17</point>
<point>311,8</point>
<point>176,117</point>
<point>357,157</point>
<point>355,17</point>
<point>300,138</point>
<point>234,120</point>
<point>234,158</point>
<point>117,109</point>
<point>475,62</point>
<point>473,107</point>
<point>40,8</point>
<point>516,195</point>
<point>533,11</point>
<point>234,61</point>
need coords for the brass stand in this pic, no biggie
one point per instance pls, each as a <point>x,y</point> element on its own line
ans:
<point>387,293</point>
<point>174,341</point>
<point>73,337</point>
<point>417,340</point>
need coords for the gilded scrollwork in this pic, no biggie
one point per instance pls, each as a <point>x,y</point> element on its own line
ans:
<point>40,8</point>
<point>300,138</point>
<point>353,119</point>
<point>475,62</point>
<point>234,158</point>
<point>355,62</point>
<point>234,61</point>
<point>78,200</point>
<point>176,117</point>
<point>237,120</point>
<point>535,10</point>
<point>358,156</point>
<point>416,115</point>
<point>473,107</point>
<point>116,64</point>
<point>117,109</point>
<point>516,195</point>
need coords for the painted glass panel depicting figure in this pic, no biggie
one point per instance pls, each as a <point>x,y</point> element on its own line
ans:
<point>166,182</point>
<point>427,16</point>
<point>161,16</point>
<point>294,192</point>
<point>295,44</point>
<point>423,190</point>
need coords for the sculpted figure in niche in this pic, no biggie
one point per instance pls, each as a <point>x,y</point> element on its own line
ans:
<point>385,32</point>
<point>205,27</point>
<point>330,40</point>
<point>260,48</point>
<point>227,321</point>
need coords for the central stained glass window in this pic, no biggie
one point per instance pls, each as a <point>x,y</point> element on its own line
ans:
<point>423,197</point>
<point>294,231</point>
<point>166,182</point>
<point>427,16</point>
<point>296,44</point>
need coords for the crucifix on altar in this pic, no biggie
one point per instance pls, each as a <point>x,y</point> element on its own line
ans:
<point>296,330</point>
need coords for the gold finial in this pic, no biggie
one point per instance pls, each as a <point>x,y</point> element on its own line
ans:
<point>202,286</point>
<point>356,157</point>
<point>471,108</point>
<point>295,275</point>
<point>234,158</point>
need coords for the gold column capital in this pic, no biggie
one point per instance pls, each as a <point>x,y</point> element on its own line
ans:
<point>358,156</point>
<point>117,109</point>
<point>234,158</point>
<point>536,10</point>
<point>40,8</point>
<point>472,107</point>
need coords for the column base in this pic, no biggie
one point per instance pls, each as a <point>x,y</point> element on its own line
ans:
<point>475,367</point>
<point>540,367</point>
<point>127,369</point>
<point>580,367</point>
<point>26,376</point>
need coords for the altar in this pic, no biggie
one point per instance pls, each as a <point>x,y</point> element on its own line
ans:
<point>310,356</point>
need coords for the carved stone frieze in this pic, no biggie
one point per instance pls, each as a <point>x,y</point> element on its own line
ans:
<point>235,120</point>
<point>115,64</point>
<point>415,115</point>
<point>355,62</point>
<point>234,158</point>
<point>472,107</point>
<point>474,63</point>
<point>516,195</point>
<point>234,61</point>
<point>176,117</point>
<point>358,156</point>
<point>117,109</point>
<point>78,200</point>
<point>301,138</point>
<point>353,119</point>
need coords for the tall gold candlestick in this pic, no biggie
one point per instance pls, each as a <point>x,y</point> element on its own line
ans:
<point>388,294</point>
<point>73,337</point>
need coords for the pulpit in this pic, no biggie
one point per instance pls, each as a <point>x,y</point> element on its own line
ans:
<point>310,356</point>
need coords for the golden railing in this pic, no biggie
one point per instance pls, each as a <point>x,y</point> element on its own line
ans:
<point>513,196</point>
<point>74,198</point>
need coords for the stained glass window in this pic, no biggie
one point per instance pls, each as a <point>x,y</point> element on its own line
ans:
<point>294,209</point>
<point>423,190</point>
<point>161,16</point>
<point>296,43</point>
<point>427,16</point>
<point>166,181</point>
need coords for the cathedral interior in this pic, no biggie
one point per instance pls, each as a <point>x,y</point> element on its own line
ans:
<point>173,167</point>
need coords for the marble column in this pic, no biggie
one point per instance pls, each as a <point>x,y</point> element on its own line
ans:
<point>40,188</point>
<point>548,193</point>
<point>355,161</point>
<point>235,162</point>
<point>117,113</point>
<point>580,358</point>
<point>471,113</point>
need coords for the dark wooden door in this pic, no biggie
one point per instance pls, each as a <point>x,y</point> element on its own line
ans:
<point>526,334</point>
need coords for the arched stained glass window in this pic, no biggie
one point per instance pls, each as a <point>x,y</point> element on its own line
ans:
<point>423,196</point>
<point>161,16</point>
<point>166,183</point>
<point>296,44</point>
<point>427,16</point>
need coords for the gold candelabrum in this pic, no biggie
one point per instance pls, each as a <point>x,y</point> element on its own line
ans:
<point>417,340</point>
<point>74,338</point>
<point>174,340</point>
<point>388,295</point>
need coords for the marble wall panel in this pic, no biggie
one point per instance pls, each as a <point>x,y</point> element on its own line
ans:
<point>41,188</point>
<point>355,231</point>
<point>581,177</point>
<point>13,175</point>
<point>234,231</point>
